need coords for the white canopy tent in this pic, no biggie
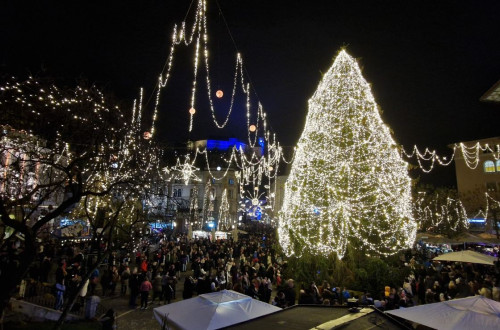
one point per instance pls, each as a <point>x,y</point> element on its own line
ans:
<point>212,311</point>
<point>467,256</point>
<point>467,313</point>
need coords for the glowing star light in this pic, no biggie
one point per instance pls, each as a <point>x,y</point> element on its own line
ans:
<point>185,171</point>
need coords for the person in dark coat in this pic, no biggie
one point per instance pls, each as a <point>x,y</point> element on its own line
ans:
<point>290,293</point>
<point>189,285</point>
<point>133,284</point>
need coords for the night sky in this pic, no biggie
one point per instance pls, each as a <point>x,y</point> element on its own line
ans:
<point>429,62</point>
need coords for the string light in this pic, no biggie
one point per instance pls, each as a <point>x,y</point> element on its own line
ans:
<point>348,185</point>
<point>199,35</point>
<point>471,154</point>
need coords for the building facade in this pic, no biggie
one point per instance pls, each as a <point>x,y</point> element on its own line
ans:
<point>478,169</point>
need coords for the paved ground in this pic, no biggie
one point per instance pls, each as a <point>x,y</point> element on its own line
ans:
<point>134,319</point>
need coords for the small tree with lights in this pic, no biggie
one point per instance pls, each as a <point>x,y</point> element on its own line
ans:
<point>438,210</point>
<point>224,222</point>
<point>348,185</point>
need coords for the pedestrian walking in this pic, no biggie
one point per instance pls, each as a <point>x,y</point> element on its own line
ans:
<point>145,287</point>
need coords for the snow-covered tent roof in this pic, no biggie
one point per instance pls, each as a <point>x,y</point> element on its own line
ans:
<point>467,256</point>
<point>212,311</point>
<point>467,313</point>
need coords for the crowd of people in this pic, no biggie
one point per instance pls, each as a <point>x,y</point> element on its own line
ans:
<point>151,269</point>
<point>436,281</point>
<point>157,267</point>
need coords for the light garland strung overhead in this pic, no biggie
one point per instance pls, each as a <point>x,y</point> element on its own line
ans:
<point>198,35</point>
<point>254,166</point>
<point>470,154</point>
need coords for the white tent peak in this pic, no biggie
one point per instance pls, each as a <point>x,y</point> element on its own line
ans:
<point>475,312</point>
<point>476,304</point>
<point>213,311</point>
<point>223,296</point>
<point>467,256</point>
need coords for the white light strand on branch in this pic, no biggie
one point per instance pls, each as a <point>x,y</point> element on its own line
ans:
<point>435,213</point>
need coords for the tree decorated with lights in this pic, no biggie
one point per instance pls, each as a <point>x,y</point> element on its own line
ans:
<point>72,150</point>
<point>208,204</point>
<point>348,185</point>
<point>224,217</point>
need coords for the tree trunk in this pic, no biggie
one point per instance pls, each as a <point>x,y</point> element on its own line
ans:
<point>12,277</point>
<point>71,300</point>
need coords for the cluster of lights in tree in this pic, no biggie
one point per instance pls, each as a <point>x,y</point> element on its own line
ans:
<point>208,203</point>
<point>118,157</point>
<point>193,208</point>
<point>60,103</point>
<point>348,184</point>
<point>436,213</point>
<point>225,221</point>
<point>491,203</point>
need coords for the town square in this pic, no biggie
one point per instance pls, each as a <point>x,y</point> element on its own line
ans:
<point>221,164</point>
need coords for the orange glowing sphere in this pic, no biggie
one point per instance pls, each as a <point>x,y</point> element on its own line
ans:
<point>192,111</point>
<point>147,135</point>
<point>219,93</point>
<point>252,128</point>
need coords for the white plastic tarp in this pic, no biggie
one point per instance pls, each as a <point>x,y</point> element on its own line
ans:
<point>467,313</point>
<point>212,311</point>
<point>467,256</point>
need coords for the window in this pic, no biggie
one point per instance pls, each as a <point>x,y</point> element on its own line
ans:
<point>498,165</point>
<point>231,181</point>
<point>230,193</point>
<point>177,192</point>
<point>489,166</point>
<point>491,186</point>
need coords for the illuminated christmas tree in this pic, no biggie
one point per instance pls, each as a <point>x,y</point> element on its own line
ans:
<point>348,184</point>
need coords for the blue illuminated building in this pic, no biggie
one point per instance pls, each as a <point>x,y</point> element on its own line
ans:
<point>225,145</point>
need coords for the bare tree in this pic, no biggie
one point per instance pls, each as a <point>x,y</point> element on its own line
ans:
<point>60,146</point>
